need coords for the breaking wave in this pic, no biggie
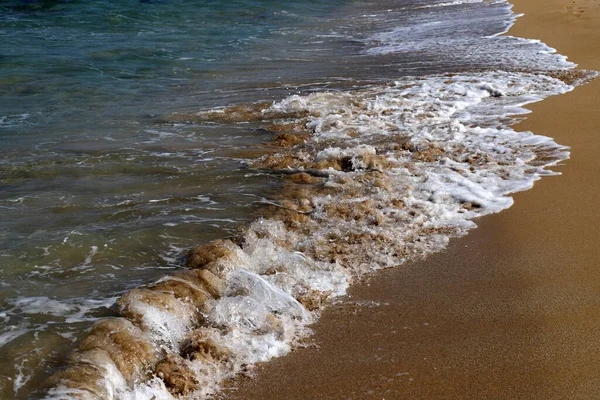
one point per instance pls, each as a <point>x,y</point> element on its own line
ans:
<point>375,176</point>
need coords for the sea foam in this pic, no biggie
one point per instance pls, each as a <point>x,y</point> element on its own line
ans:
<point>384,174</point>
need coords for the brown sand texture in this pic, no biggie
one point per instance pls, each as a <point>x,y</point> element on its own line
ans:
<point>511,311</point>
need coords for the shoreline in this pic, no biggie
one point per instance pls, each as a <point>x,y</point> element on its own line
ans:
<point>509,311</point>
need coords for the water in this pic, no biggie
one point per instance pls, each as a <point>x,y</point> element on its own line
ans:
<point>109,171</point>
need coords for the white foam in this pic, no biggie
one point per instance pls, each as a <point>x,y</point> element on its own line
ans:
<point>167,328</point>
<point>11,333</point>
<point>73,310</point>
<point>250,298</point>
<point>450,3</point>
<point>153,389</point>
<point>461,115</point>
<point>450,30</point>
<point>21,378</point>
<point>259,317</point>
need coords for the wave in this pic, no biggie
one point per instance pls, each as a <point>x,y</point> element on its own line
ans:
<point>376,176</point>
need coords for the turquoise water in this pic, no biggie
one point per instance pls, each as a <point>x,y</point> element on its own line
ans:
<point>99,192</point>
<point>90,159</point>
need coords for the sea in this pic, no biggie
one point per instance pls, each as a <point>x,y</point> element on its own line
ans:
<point>302,144</point>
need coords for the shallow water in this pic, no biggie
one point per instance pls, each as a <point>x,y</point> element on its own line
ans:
<point>109,173</point>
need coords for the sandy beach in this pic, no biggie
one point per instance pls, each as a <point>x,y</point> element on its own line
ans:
<point>510,311</point>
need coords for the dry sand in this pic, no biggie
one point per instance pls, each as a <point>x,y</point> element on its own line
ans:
<point>512,311</point>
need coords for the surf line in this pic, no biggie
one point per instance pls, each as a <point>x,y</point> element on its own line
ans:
<point>375,177</point>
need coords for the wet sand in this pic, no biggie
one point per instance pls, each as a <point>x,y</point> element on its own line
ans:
<point>511,311</point>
